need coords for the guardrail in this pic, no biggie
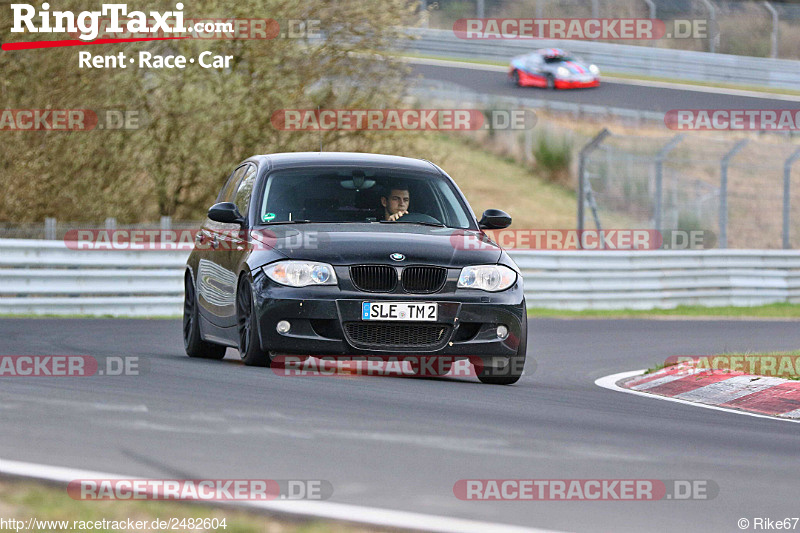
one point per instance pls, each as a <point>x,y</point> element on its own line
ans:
<point>621,58</point>
<point>46,278</point>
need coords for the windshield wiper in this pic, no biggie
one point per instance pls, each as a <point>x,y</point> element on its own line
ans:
<point>301,221</point>
<point>433,224</point>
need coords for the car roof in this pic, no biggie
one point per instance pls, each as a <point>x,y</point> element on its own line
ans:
<point>551,52</point>
<point>299,159</point>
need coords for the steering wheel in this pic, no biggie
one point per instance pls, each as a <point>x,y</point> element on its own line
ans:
<point>418,217</point>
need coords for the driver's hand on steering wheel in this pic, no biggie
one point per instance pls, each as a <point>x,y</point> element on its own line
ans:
<point>397,215</point>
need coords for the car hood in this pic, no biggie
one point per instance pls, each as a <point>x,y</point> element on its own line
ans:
<point>348,244</point>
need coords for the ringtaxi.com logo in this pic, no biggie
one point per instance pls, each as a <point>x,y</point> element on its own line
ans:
<point>402,119</point>
<point>199,489</point>
<point>584,489</point>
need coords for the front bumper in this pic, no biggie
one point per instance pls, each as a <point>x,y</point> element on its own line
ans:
<point>576,84</point>
<point>323,319</point>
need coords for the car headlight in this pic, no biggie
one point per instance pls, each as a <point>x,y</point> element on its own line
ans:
<point>562,72</point>
<point>301,273</point>
<point>594,70</point>
<point>490,278</point>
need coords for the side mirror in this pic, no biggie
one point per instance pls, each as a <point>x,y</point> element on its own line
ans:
<point>494,219</point>
<point>225,212</point>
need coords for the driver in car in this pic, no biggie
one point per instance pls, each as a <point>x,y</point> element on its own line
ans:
<point>395,202</point>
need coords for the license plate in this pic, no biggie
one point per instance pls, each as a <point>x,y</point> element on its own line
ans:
<point>399,311</point>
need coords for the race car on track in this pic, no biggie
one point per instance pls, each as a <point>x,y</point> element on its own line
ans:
<point>553,68</point>
<point>347,254</point>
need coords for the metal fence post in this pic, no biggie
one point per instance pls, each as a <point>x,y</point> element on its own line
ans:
<point>652,8</point>
<point>659,185</point>
<point>723,192</point>
<point>481,8</point>
<point>712,23</point>
<point>774,44</point>
<point>423,13</point>
<point>166,223</point>
<point>539,9</point>
<point>584,154</point>
<point>111,223</point>
<point>787,173</point>
<point>50,229</point>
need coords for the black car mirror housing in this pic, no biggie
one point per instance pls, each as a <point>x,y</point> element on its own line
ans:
<point>494,219</point>
<point>226,212</point>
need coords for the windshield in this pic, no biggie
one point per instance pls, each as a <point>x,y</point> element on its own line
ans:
<point>357,194</point>
<point>558,59</point>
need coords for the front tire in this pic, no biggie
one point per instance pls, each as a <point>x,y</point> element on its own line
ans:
<point>193,343</point>
<point>247,323</point>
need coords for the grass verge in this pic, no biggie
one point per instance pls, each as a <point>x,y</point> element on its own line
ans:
<point>23,500</point>
<point>778,310</point>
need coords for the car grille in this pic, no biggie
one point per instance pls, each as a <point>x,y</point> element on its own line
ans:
<point>400,336</point>
<point>423,279</point>
<point>374,278</point>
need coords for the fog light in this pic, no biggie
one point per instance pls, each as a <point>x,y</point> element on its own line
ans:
<point>283,327</point>
<point>502,331</point>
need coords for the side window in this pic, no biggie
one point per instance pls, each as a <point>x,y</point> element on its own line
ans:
<point>245,190</point>
<point>227,192</point>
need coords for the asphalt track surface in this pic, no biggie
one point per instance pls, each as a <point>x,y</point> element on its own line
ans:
<point>402,443</point>
<point>612,94</point>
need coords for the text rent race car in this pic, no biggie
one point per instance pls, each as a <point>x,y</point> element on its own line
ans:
<point>553,68</point>
<point>302,255</point>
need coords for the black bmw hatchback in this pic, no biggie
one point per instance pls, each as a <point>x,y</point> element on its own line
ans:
<point>347,254</point>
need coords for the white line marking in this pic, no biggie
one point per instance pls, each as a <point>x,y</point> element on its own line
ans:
<point>328,510</point>
<point>625,81</point>
<point>610,382</point>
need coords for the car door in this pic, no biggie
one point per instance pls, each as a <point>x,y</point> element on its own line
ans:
<point>214,275</point>
<point>233,242</point>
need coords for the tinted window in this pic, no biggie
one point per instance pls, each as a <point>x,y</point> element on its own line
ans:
<point>228,191</point>
<point>346,194</point>
<point>245,190</point>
